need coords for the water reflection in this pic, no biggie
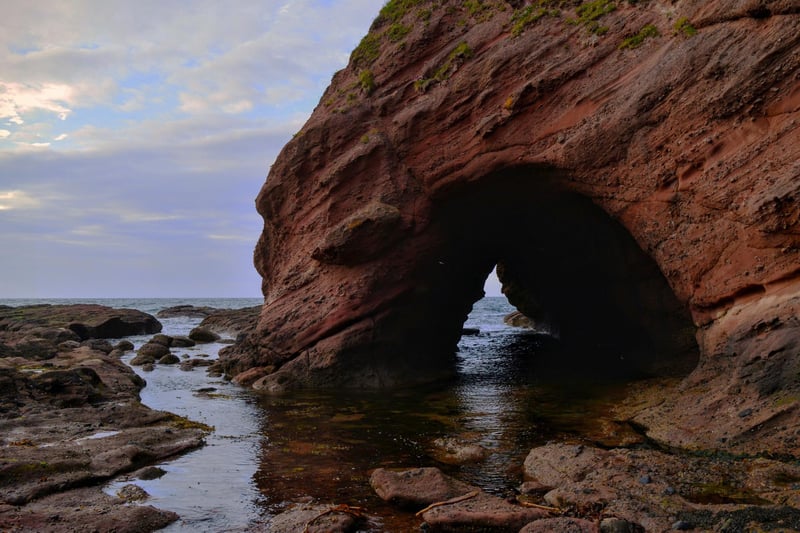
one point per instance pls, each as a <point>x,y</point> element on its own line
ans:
<point>324,446</point>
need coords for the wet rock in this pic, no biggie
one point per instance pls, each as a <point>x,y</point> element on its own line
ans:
<point>416,487</point>
<point>85,321</point>
<point>143,359</point>
<point>124,345</point>
<point>68,346</point>
<point>132,493</point>
<point>35,348</point>
<point>203,335</point>
<point>85,509</point>
<point>191,364</point>
<point>591,479</point>
<point>187,311</point>
<point>518,320</point>
<point>153,349</point>
<point>163,340</point>
<point>561,525</point>
<point>169,359</point>
<point>148,473</point>
<point>68,388</point>
<point>483,512</point>
<point>454,451</point>
<point>232,322</point>
<point>101,345</point>
<point>181,341</point>
<point>254,374</point>
<point>312,518</point>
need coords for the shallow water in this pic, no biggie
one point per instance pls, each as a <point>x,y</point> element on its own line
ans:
<point>268,451</point>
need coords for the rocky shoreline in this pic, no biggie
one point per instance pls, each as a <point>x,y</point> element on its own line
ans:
<point>71,419</point>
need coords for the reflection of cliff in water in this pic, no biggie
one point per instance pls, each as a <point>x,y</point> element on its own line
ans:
<point>324,445</point>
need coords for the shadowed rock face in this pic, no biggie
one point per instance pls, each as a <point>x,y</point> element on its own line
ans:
<point>638,197</point>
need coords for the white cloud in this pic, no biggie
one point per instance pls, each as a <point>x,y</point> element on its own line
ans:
<point>17,200</point>
<point>4,134</point>
<point>17,99</point>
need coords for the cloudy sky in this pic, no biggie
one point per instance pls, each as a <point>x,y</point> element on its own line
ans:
<point>134,136</point>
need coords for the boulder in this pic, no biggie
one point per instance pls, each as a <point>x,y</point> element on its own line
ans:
<point>169,359</point>
<point>181,341</point>
<point>153,349</point>
<point>124,345</point>
<point>313,518</point>
<point>85,321</point>
<point>186,310</point>
<point>203,335</point>
<point>416,487</point>
<point>483,512</point>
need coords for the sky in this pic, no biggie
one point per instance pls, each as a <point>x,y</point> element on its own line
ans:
<point>135,136</point>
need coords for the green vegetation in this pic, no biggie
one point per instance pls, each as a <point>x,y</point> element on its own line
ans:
<point>530,14</point>
<point>394,10</point>
<point>366,80</point>
<point>682,25</point>
<point>424,15</point>
<point>589,13</point>
<point>367,50</point>
<point>634,41</point>
<point>461,52</point>
<point>397,32</point>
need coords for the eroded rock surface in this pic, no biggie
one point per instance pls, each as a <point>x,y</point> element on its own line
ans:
<point>72,420</point>
<point>630,170</point>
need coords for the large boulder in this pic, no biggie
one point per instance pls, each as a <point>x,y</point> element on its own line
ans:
<point>632,172</point>
<point>85,321</point>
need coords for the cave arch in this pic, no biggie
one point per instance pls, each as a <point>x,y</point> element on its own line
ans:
<point>562,260</point>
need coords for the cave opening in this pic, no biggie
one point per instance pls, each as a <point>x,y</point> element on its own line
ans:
<point>564,263</point>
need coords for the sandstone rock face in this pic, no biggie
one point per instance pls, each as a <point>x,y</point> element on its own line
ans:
<point>633,171</point>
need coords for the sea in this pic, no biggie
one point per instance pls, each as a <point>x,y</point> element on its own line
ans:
<point>267,452</point>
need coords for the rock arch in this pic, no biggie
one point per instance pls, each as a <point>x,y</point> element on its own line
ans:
<point>688,142</point>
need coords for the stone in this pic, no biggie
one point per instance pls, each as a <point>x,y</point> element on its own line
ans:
<point>132,493</point>
<point>169,359</point>
<point>659,183</point>
<point>153,349</point>
<point>186,311</point>
<point>143,359</point>
<point>124,345</point>
<point>454,451</point>
<point>203,335</point>
<point>149,473</point>
<point>101,345</point>
<point>312,518</point>
<point>160,338</point>
<point>181,341</point>
<point>85,321</point>
<point>232,322</point>
<point>483,512</point>
<point>416,487</point>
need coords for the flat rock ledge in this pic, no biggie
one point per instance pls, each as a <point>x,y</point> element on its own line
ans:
<point>68,423</point>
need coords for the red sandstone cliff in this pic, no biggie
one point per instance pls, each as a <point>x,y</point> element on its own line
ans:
<point>648,186</point>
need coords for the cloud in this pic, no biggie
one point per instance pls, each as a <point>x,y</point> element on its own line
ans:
<point>134,136</point>
<point>17,200</point>
<point>17,99</point>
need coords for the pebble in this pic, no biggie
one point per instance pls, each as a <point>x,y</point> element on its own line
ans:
<point>645,479</point>
<point>682,525</point>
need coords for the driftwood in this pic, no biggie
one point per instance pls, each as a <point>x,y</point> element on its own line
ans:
<point>457,499</point>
